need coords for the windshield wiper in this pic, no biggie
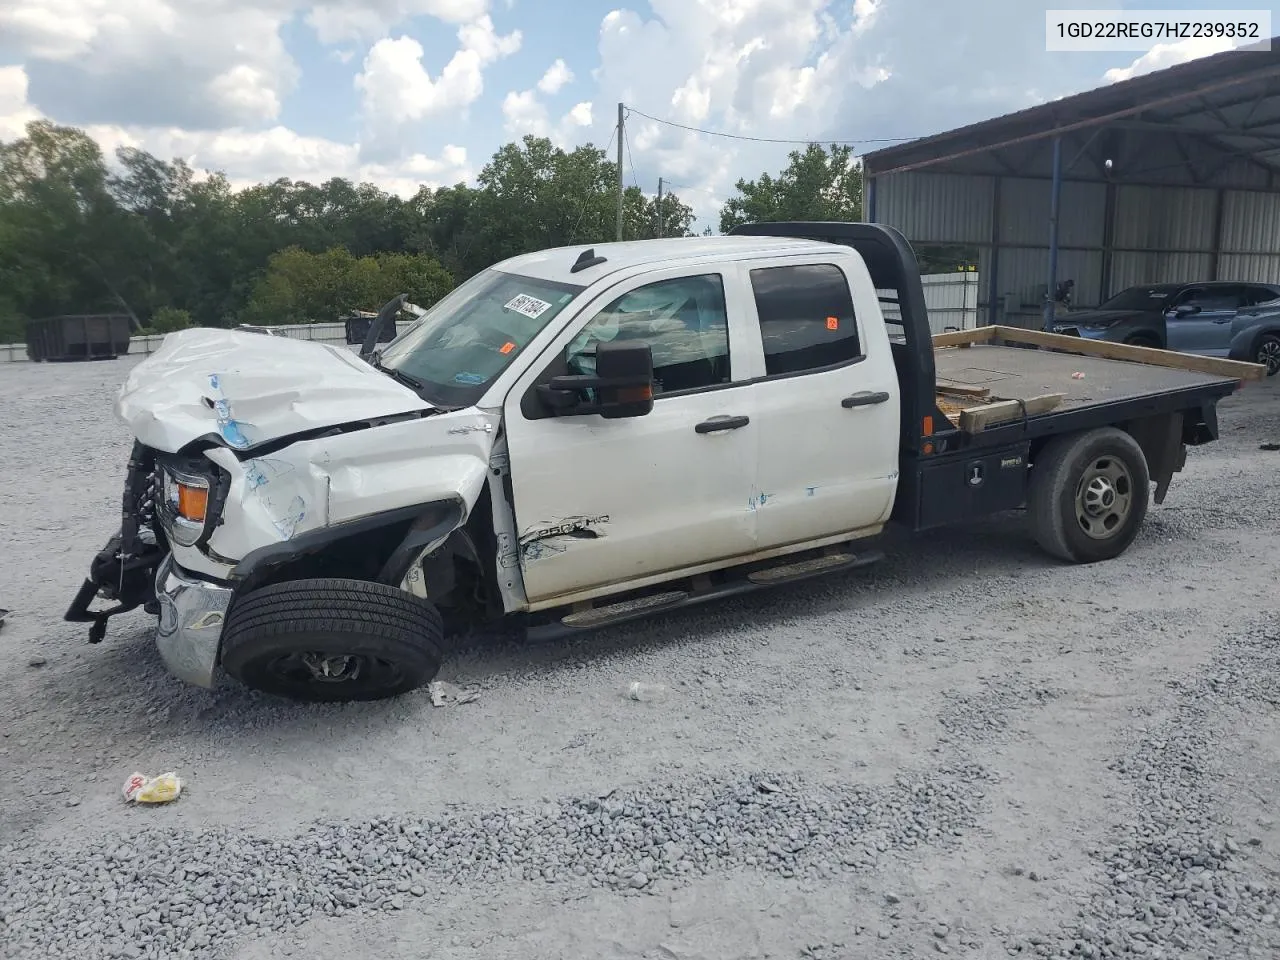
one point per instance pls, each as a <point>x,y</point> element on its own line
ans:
<point>410,381</point>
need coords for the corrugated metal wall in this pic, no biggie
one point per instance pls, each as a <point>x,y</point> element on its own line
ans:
<point>1159,234</point>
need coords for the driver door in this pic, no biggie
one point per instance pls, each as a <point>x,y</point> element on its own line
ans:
<point>605,502</point>
<point>1208,329</point>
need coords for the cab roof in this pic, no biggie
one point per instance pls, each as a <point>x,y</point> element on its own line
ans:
<point>557,263</point>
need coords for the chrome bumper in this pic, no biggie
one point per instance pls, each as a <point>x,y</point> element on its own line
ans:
<point>191,617</point>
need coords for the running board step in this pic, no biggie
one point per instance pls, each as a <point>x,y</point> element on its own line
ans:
<point>595,616</point>
<point>809,568</point>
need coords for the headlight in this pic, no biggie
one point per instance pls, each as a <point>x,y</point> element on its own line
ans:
<point>184,505</point>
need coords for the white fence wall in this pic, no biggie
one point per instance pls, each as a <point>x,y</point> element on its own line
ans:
<point>335,333</point>
<point>951,298</point>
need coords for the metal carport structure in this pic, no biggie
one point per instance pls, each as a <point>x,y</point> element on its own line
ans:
<point>1169,176</point>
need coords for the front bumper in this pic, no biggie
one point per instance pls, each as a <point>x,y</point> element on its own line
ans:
<point>192,614</point>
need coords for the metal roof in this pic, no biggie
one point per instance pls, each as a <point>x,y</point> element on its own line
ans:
<point>1211,122</point>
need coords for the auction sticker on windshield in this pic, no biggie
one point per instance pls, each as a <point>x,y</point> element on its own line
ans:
<point>531,307</point>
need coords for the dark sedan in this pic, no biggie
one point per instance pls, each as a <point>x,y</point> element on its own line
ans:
<point>1240,321</point>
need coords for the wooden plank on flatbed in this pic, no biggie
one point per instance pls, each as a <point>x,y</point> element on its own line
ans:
<point>1234,369</point>
<point>960,390</point>
<point>977,419</point>
<point>963,338</point>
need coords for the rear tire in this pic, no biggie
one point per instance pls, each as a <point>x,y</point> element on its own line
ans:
<point>1089,495</point>
<point>1267,353</point>
<point>333,640</point>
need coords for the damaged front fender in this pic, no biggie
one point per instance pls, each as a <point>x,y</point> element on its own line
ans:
<point>364,504</point>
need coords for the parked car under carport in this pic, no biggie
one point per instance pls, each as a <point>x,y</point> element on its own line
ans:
<point>1239,321</point>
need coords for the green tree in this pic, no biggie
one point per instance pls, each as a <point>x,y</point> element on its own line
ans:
<point>303,287</point>
<point>817,184</point>
<point>59,225</point>
<point>167,320</point>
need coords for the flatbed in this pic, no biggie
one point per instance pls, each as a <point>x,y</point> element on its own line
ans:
<point>1011,373</point>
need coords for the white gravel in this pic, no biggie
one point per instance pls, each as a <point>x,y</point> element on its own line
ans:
<point>966,750</point>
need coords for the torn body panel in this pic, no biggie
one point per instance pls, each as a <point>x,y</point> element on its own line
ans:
<point>328,481</point>
<point>244,390</point>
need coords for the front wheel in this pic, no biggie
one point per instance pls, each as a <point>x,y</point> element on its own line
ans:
<point>333,640</point>
<point>1089,495</point>
<point>1267,353</point>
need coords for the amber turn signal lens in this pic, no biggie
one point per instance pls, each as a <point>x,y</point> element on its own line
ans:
<point>192,502</point>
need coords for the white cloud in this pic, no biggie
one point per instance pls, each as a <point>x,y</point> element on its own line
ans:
<point>152,61</point>
<point>557,75</point>
<point>758,68</point>
<point>524,114</point>
<point>249,157</point>
<point>1163,55</point>
<point>357,20</point>
<point>397,89</point>
<point>15,112</point>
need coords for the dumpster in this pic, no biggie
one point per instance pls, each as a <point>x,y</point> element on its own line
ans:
<point>99,336</point>
<point>358,323</point>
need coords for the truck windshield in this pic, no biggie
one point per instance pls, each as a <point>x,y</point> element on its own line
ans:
<point>457,348</point>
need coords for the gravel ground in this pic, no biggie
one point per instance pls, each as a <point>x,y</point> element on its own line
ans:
<point>967,750</point>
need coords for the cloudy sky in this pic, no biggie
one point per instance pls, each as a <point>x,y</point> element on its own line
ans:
<point>407,92</point>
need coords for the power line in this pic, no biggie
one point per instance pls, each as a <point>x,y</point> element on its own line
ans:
<point>631,160</point>
<point>582,203</point>
<point>740,136</point>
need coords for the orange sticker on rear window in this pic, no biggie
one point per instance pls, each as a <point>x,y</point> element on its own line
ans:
<point>508,347</point>
<point>833,323</point>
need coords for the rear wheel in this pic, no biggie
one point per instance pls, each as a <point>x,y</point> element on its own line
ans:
<point>333,640</point>
<point>1089,495</point>
<point>1267,353</point>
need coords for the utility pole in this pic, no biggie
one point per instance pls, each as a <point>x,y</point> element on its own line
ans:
<point>659,206</point>
<point>621,134</point>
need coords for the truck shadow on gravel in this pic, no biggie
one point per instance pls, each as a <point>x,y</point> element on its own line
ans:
<point>126,670</point>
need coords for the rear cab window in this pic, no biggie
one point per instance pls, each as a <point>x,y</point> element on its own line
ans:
<point>807,318</point>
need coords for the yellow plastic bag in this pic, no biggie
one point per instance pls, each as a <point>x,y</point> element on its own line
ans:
<point>140,788</point>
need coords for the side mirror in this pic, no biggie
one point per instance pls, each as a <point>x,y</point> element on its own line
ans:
<point>623,383</point>
<point>1186,310</point>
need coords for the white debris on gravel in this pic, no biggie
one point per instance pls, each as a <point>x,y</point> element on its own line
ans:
<point>172,894</point>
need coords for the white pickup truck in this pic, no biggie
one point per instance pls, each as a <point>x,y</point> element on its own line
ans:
<point>580,436</point>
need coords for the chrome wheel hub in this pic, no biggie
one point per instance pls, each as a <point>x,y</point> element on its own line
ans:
<point>1104,498</point>
<point>332,669</point>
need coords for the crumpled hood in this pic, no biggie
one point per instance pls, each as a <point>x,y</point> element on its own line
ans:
<point>248,389</point>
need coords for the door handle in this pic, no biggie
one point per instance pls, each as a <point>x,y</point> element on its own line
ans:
<point>1222,320</point>
<point>864,399</point>
<point>715,424</point>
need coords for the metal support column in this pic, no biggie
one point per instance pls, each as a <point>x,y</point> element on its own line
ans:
<point>1108,241</point>
<point>993,266</point>
<point>1219,210</point>
<point>1054,196</point>
<point>869,201</point>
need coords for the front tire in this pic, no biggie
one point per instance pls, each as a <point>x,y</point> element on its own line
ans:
<point>1267,353</point>
<point>333,640</point>
<point>1089,495</point>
